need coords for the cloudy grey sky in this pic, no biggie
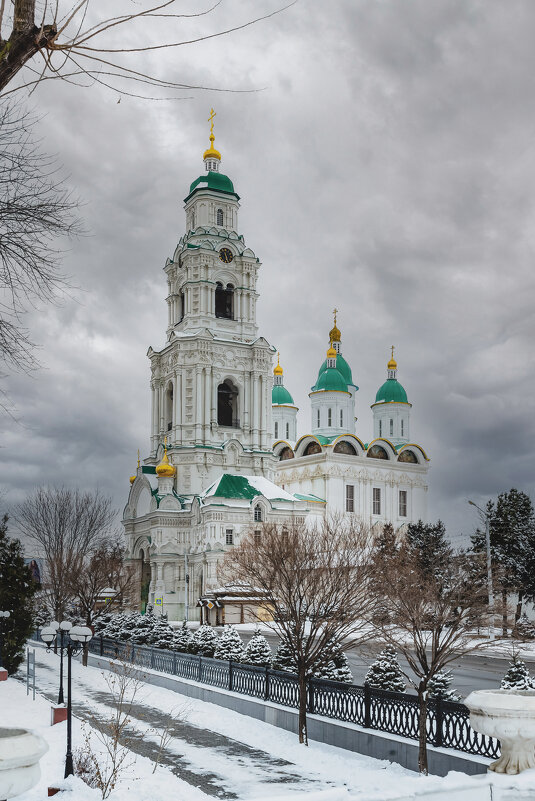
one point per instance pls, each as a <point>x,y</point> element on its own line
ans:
<point>387,169</point>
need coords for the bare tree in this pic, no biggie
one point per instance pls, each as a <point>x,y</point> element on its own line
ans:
<point>36,210</point>
<point>102,569</point>
<point>70,40</point>
<point>428,614</point>
<point>316,580</point>
<point>66,525</point>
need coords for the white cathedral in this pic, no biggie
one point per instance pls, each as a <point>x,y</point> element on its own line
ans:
<point>225,455</point>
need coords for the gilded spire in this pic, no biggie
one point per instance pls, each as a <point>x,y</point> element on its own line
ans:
<point>392,364</point>
<point>212,153</point>
<point>334,333</point>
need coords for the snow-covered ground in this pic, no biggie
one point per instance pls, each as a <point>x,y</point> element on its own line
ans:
<point>221,753</point>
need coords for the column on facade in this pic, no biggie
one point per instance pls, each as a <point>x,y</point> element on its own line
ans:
<point>154,410</point>
<point>254,378</point>
<point>177,411</point>
<point>246,402</point>
<point>207,402</point>
<point>198,404</point>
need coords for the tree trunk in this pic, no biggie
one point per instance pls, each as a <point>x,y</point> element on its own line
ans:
<point>519,603</point>
<point>303,734</point>
<point>505,620</point>
<point>25,41</point>
<point>422,730</point>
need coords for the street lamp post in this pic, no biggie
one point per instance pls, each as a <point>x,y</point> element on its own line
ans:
<point>61,629</point>
<point>77,637</point>
<point>489,569</point>
<point>3,616</point>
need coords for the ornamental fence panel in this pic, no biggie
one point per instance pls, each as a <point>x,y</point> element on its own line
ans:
<point>448,723</point>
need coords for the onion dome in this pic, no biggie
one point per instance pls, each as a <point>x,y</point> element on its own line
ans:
<point>215,181</point>
<point>391,391</point>
<point>212,153</point>
<point>132,479</point>
<point>330,379</point>
<point>165,469</point>
<point>279,394</point>
<point>334,333</point>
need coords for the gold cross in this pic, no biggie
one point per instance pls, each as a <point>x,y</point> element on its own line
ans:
<point>392,351</point>
<point>211,120</point>
<point>138,457</point>
<point>335,312</point>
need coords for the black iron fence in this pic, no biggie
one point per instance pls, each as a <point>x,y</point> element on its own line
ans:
<point>448,723</point>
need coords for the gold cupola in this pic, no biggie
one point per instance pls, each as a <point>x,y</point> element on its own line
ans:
<point>392,364</point>
<point>334,333</point>
<point>212,153</point>
<point>165,469</point>
<point>278,369</point>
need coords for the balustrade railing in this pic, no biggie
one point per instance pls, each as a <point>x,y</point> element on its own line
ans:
<point>448,723</point>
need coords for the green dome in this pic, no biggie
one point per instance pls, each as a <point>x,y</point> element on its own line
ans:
<point>213,180</point>
<point>391,392</point>
<point>342,367</point>
<point>330,379</point>
<point>281,397</point>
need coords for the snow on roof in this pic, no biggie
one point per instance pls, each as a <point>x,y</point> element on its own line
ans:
<point>245,488</point>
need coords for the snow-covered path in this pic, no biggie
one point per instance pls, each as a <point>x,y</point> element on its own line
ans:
<point>224,754</point>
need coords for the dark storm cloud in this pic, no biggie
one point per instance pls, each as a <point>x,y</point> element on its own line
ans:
<point>387,170</point>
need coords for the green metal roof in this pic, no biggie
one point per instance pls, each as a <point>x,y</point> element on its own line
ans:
<point>342,366</point>
<point>281,396</point>
<point>391,392</point>
<point>215,181</point>
<point>312,498</point>
<point>330,379</point>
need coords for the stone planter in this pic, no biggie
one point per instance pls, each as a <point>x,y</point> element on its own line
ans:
<point>20,752</point>
<point>508,715</point>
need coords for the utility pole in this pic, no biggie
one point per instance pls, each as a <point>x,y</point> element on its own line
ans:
<point>489,570</point>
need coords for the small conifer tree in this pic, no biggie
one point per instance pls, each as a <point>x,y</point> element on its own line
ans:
<point>17,589</point>
<point>182,639</point>
<point>284,659</point>
<point>524,629</point>
<point>327,670</point>
<point>385,673</point>
<point>142,633</point>
<point>163,635</point>
<point>257,651</point>
<point>439,687</point>
<point>204,641</point>
<point>518,676</point>
<point>343,671</point>
<point>229,645</point>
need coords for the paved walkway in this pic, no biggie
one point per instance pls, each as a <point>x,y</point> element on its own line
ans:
<point>254,763</point>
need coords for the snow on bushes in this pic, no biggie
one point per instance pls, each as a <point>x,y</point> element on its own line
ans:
<point>204,641</point>
<point>518,676</point>
<point>230,645</point>
<point>257,651</point>
<point>385,673</point>
<point>439,687</point>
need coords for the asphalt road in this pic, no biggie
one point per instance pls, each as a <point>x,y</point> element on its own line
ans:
<point>471,672</point>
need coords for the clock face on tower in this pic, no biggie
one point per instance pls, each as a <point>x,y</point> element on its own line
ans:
<point>226,255</point>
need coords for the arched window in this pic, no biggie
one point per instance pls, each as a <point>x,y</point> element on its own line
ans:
<point>341,418</point>
<point>345,447</point>
<point>224,298</point>
<point>329,417</point>
<point>276,430</point>
<point>193,220</point>
<point>380,428</point>
<point>219,217</point>
<point>227,405</point>
<point>391,428</point>
<point>318,416</point>
<point>376,452</point>
<point>258,514</point>
<point>286,453</point>
<point>287,430</point>
<point>408,456</point>
<point>169,408</point>
<point>402,428</point>
<point>181,309</point>
<point>311,448</point>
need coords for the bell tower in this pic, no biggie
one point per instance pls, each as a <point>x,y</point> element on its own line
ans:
<point>211,383</point>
